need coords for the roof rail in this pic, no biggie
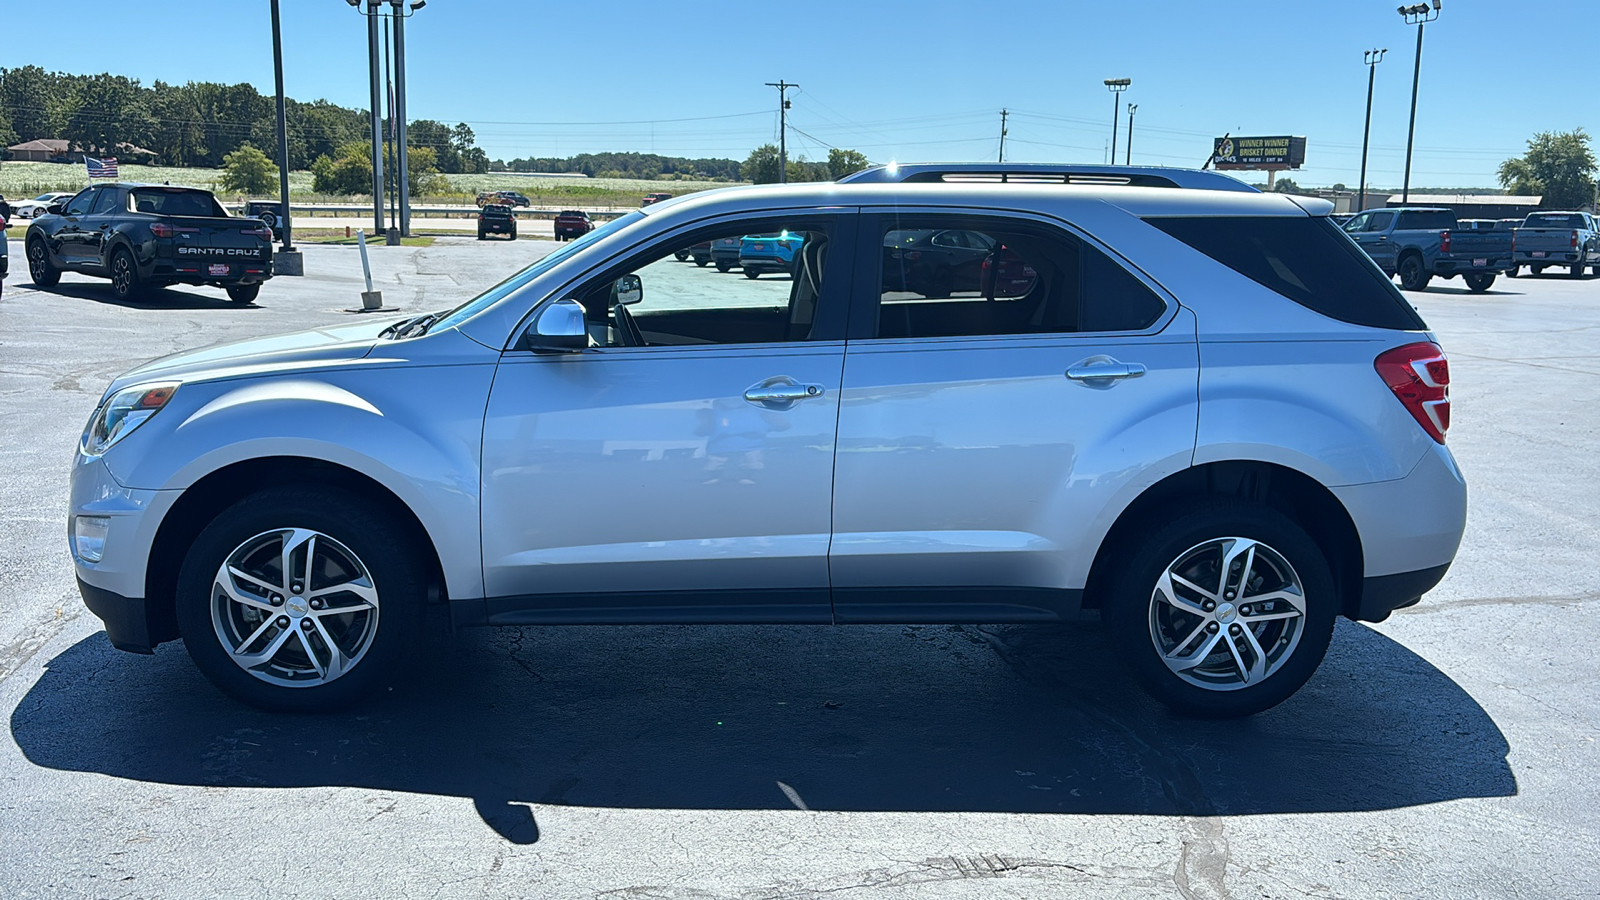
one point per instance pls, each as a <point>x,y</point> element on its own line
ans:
<point>1047,173</point>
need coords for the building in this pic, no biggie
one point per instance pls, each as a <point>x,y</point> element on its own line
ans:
<point>1474,206</point>
<point>57,150</point>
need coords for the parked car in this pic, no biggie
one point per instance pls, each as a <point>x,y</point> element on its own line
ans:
<point>268,212</point>
<point>1570,239</point>
<point>760,253</point>
<point>149,235</point>
<point>508,198</point>
<point>725,253</point>
<point>38,206</point>
<point>701,253</point>
<point>572,223</point>
<point>1419,243</point>
<point>497,218</point>
<point>655,197</point>
<point>1207,420</point>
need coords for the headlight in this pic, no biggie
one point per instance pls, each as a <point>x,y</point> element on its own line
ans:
<point>125,411</point>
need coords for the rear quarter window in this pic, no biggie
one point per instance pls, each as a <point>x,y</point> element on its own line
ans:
<point>1306,259</point>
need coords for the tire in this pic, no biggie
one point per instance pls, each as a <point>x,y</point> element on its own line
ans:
<point>512,234</point>
<point>681,255</point>
<point>1478,282</point>
<point>482,234</point>
<point>354,543</point>
<point>1576,271</point>
<point>1513,272</point>
<point>702,263</point>
<point>40,269</point>
<point>1195,540</point>
<point>752,274</point>
<point>724,267</point>
<point>244,293</point>
<point>124,275</point>
<point>1537,270</point>
<point>1413,277</point>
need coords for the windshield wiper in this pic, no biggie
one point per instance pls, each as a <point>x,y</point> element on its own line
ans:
<point>412,327</point>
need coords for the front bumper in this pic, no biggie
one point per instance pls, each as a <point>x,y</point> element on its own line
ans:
<point>113,586</point>
<point>127,621</point>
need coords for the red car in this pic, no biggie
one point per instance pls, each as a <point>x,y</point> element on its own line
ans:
<point>572,223</point>
<point>655,197</point>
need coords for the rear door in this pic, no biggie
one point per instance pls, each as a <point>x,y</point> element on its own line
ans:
<point>982,433</point>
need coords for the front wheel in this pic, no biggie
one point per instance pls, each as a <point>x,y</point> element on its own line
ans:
<point>124,275</point>
<point>1226,610</point>
<point>301,598</point>
<point>1478,282</point>
<point>40,269</point>
<point>681,255</point>
<point>244,293</point>
<point>1413,277</point>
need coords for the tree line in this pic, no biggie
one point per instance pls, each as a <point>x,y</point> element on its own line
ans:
<point>199,123</point>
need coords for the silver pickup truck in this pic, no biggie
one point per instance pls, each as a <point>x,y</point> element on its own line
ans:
<point>1570,239</point>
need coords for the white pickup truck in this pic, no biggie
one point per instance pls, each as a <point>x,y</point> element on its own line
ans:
<point>1569,239</point>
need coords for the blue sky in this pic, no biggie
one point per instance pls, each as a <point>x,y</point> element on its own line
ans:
<point>902,81</point>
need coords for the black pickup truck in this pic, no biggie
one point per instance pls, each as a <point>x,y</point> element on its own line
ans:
<point>147,235</point>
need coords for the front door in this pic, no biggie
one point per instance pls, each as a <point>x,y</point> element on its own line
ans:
<point>69,235</point>
<point>681,468</point>
<point>986,430</point>
<point>1371,231</point>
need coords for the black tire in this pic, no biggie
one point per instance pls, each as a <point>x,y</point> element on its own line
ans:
<point>40,269</point>
<point>702,263</point>
<point>1478,282</point>
<point>482,235</point>
<point>724,267</point>
<point>1513,272</point>
<point>752,273</point>
<point>1576,271</point>
<point>1134,617</point>
<point>681,255</point>
<point>1537,270</point>
<point>398,579</point>
<point>512,234</point>
<point>244,293</point>
<point>1413,277</point>
<point>124,275</point>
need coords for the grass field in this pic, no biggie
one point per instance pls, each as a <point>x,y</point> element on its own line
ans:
<point>21,180</point>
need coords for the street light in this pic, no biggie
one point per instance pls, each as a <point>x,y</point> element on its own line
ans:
<point>1116,86</point>
<point>288,260</point>
<point>1128,161</point>
<point>372,9</point>
<point>1418,15</point>
<point>1371,58</point>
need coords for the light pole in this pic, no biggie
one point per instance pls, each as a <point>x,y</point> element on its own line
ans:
<point>1371,58</point>
<point>370,10</point>
<point>783,127</point>
<point>1418,15</point>
<point>1128,154</point>
<point>1116,86</point>
<point>287,261</point>
<point>398,11</point>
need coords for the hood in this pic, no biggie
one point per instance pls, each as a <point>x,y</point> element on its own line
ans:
<point>278,353</point>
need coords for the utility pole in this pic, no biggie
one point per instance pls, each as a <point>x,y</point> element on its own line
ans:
<point>1128,160</point>
<point>287,261</point>
<point>1003,114</point>
<point>1418,15</point>
<point>400,115</point>
<point>371,13</point>
<point>1116,86</point>
<point>1371,58</point>
<point>783,127</point>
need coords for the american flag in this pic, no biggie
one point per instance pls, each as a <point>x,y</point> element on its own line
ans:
<point>101,168</point>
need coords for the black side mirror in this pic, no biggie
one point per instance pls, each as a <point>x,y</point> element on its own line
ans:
<point>55,209</point>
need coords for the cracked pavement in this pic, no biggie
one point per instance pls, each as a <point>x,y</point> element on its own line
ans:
<point>1448,752</point>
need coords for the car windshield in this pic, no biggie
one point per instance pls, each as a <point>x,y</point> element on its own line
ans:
<point>493,295</point>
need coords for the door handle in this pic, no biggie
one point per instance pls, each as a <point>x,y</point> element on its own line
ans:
<point>1104,371</point>
<point>781,392</point>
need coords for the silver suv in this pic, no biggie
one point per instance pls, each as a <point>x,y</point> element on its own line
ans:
<point>1203,416</point>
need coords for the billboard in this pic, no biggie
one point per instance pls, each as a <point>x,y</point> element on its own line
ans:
<point>1280,152</point>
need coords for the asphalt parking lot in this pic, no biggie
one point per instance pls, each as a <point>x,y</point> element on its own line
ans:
<point>1448,752</point>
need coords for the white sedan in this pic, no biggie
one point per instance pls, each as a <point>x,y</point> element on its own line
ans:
<point>32,209</point>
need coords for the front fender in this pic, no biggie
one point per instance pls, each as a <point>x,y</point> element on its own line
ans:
<point>414,429</point>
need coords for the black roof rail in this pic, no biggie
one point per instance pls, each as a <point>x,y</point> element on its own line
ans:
<point>1046,173</point>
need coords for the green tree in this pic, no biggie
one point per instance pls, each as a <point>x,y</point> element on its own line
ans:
<point>843,162</point>
<point>248,171</point>
<point>1558,165</point>
<point>350,171</point>
<point>761,167</point>
<point>36,101</point>
<point>1286,186</point>
<point>111,110</point>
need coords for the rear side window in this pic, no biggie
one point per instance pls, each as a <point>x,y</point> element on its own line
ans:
<point>1306,259</point>
<point>1427,219</point>
<point>177,202</point>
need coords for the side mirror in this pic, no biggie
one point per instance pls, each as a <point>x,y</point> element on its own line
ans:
<point>55,209</point>
<point>627,290</point>
<point>561,328</point>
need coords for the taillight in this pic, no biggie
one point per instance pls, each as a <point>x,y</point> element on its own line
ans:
<point>1574,240</point>
<point>1419,375</point>
<point>162,230</point>
<point>261,232</point>
<point>1444,242</point>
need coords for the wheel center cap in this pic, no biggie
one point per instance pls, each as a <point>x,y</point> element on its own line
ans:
<point>296,607</point>
<point>1226,613</point>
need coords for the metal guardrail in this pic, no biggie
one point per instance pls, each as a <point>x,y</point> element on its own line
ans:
<point>354,211</point>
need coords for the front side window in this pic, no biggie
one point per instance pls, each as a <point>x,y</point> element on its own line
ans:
<point>80,205</point>
<point>771,291</point>
<point>954,276</point>
<point>107,202</point>
<point>1359,223</point>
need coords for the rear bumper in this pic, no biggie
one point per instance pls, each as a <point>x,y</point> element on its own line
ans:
<point>1383,594</point>
<point>1550,258</point>
<point>1466,264</point>
<point>497,226</point>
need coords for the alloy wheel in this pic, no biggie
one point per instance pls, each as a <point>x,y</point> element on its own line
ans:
<point>38,265</point>
<point>1227,613</point>
<point>294,607</point>
<point>121,275</point>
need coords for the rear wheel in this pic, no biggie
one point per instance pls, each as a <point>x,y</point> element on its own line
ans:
<point>301,598</point>
<point>512,234</point>
<point>1576,271</point>
<point>702,263</point>
<point>124,275</point>
<point>482,234</point>
<point>1413,277</point>
<point>244,293</point>
<point>1226,610</point>
<point>681,255</point>
<point>751,273</point>
<point>724,267</point>
<point>1537,270</point>
<point>1478,282</point>
<point>40,269</point>
<point>1513,272</point>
